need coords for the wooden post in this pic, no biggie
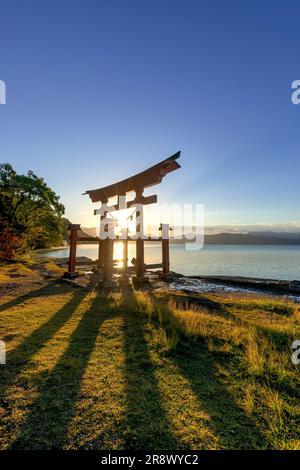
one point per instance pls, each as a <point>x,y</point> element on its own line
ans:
<point>165,248</point>
<point>165,256</point>
<point>140,262</point>
<point>73,246</point>
<point>108,261</point>
<point>101,242</point>
<point>100,254</point>
<point>108,254</point>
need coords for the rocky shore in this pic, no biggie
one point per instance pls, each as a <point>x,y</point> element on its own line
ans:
<point>194,284</point>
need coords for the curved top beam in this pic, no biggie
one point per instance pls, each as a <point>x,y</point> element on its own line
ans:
<point>138,182</point>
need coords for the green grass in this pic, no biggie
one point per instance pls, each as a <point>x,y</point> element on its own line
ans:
<point>88,370</point>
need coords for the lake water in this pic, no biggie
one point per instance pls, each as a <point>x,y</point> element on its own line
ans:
<point>274,262</point>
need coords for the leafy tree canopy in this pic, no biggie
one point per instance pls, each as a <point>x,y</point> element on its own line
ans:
<point>30,208</point>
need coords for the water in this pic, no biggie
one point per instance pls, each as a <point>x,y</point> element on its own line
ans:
<point>273,262</point>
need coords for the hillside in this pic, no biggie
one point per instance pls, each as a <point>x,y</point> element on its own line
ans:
<point>251,238</point>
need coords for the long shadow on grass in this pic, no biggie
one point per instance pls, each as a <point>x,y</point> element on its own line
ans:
<point>211,305</point>
<point>234,429</point>
<point>52,288</point>
<point>281,340</point>
<point>147,426</point>
<point>49,416</point>
<point>19,357</point>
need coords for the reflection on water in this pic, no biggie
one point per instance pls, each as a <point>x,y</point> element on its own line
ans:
<point>119,253</point>
<point>277,262</point>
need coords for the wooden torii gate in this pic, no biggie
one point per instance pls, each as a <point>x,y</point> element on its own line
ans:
<point>136,183</point>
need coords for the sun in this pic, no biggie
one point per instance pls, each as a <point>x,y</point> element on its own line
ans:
<point>125,220</point>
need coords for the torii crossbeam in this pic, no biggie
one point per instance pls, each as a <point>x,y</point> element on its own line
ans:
<point>138,182</point>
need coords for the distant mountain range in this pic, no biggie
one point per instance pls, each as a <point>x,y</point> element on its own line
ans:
<point>89,231</point>
<point>269,233</point>
<point>250,238</point>
<point>253,238</point>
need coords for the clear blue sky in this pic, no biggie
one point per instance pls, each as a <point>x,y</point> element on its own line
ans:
<point>98,90</point>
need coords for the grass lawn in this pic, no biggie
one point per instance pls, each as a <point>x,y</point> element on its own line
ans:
<point>136,370</point>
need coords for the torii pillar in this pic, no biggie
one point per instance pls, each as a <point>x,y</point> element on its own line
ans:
<point>140,256</point>
<point>101,241</point>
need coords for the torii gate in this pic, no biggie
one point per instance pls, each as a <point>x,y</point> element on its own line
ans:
<point>136,183</point>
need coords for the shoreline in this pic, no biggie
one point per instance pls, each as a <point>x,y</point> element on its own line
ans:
<point>227,284</point>
<point>54,248</point>
<point>246,283</point>
<point>208,283</point>
<point>279,286</point>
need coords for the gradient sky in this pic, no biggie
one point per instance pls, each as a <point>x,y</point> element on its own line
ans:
<point>99,90</point>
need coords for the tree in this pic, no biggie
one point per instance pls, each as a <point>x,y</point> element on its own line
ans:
<point>29,209</point>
